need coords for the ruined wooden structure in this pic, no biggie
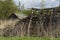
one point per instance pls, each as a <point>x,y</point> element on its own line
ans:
<point>42,24</point>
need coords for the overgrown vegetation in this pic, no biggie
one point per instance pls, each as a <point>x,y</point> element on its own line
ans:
<point>43,26</point>
<point>28,12</point>
<point>7,7</point>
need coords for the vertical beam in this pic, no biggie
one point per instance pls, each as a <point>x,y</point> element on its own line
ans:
<point>29,25</point>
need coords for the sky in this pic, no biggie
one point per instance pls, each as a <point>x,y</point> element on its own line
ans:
<point>37,3</point>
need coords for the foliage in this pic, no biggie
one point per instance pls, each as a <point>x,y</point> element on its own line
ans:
<point>6,8</point>
<point>27,12</point>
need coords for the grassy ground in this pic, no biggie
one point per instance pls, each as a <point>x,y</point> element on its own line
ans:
<point>26,38</point>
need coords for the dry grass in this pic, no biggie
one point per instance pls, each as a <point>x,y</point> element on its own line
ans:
<point>51,32</point>
<point>5,23</point>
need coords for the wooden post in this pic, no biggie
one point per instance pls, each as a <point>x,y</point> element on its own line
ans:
<point>29,25</point>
